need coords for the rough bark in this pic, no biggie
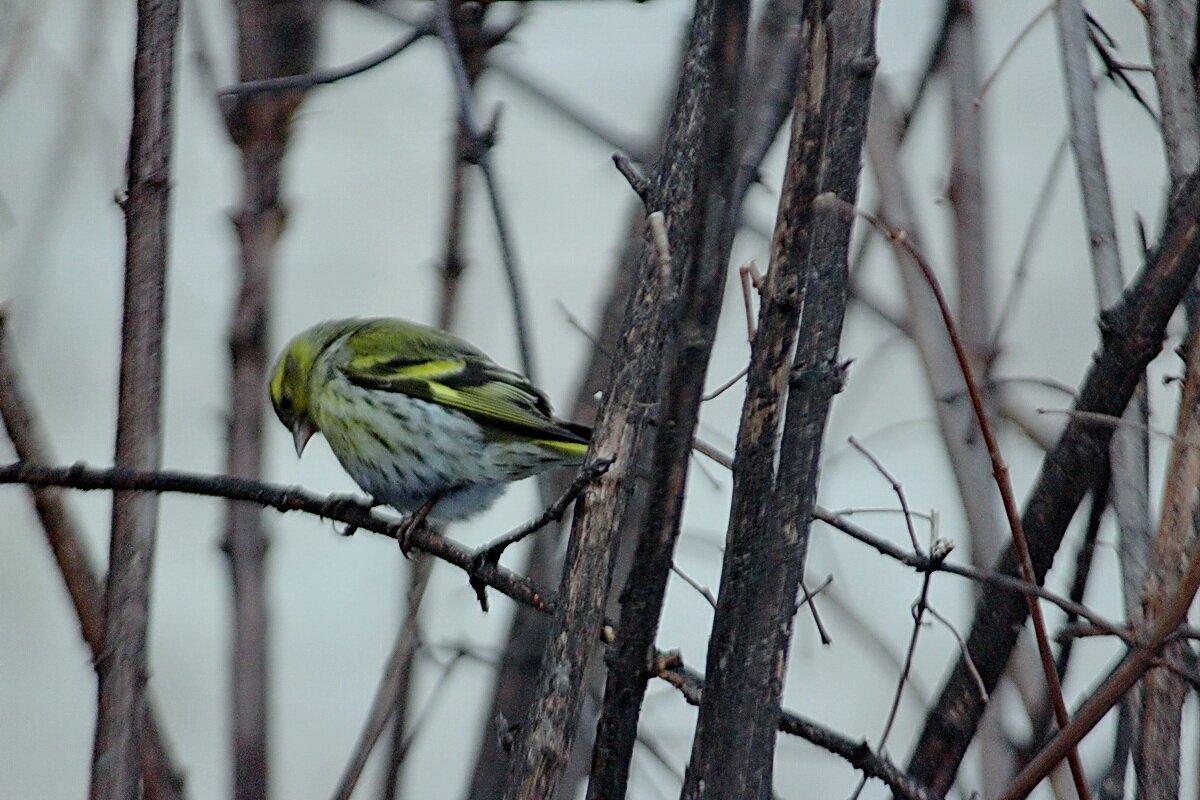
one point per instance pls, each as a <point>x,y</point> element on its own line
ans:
<point>700,243</point>
<point>805,290</point>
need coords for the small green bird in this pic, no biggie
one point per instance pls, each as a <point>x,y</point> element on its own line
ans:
<point>419,418</point>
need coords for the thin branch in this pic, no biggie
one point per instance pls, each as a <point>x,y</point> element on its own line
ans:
<point>480,142</point>
<point>962,648</point>
<point>703,591</point>
<point>897,487</point>
<point>490,553</point>
<point>1004,485</point>
<point>271,42</point>
<point>810,602</point>
<point>1132,335</point>
<point>391,686</point>
<point>1039,214</point>
<point>338,508</point>
<point>1000,580</point>
<point>309,80</point>
<point>857,753</point>
<point>726,386</point>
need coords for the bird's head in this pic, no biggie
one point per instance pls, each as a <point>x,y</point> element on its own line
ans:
<point>291,379</point>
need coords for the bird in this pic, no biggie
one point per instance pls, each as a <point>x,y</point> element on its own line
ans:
<point>422,420</point>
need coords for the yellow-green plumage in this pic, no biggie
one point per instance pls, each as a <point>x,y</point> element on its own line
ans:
<point>413,413</point>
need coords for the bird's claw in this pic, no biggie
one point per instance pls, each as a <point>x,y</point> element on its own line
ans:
<point>408,529</point>
<point>339,505</point>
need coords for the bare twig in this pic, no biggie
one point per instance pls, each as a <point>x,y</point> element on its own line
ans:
<point>703,591</point>
<point>391,685</point>
<point>309,80</point>
<point>897,487</point>
<point>1133,332</point>
<point>1000,580</point>
<point>637,181</point>
<point>962,648</point>
<point>1038,215</point>
<point>857,754</point>
<point>491,552</point>
<point>1003,483</point>
<point>480,141</point>
<point>810,602</point>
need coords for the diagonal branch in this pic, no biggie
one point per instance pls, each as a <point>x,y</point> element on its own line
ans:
<point>702,226</point>
<point>161,779</point>
<point>1132,335</point>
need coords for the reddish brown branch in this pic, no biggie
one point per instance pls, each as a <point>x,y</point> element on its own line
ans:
<point>1000,472</point>
<point>1132,335</point>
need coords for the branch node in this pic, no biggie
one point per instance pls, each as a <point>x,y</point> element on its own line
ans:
<point>636,179</point>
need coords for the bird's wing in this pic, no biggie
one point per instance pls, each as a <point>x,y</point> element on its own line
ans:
<point>469,382</point>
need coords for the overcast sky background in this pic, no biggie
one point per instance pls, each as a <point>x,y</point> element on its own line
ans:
<point>366,184</point>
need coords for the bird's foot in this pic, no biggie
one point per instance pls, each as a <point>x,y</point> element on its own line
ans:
<point>404,535</point>
<point>338,505</point>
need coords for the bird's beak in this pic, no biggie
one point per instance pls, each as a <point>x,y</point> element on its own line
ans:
<point>302,431</point>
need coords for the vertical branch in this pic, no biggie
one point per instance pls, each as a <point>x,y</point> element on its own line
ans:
<point>161,779</point>
<point>967,202</point>
<point>1157,753</point>
<point>275,39</point>
<point>478,142</point>
<point>960,433</point>
<point>1129,451</point>
<point>122,667</point>
<point>473,48</point>
<point>769,86</point>
<point>1172,28</point>
<point>702,239</point>
<point>473,44</point>
<point>551,723</point>
<point>805,290</point>
<point>401,675</point>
